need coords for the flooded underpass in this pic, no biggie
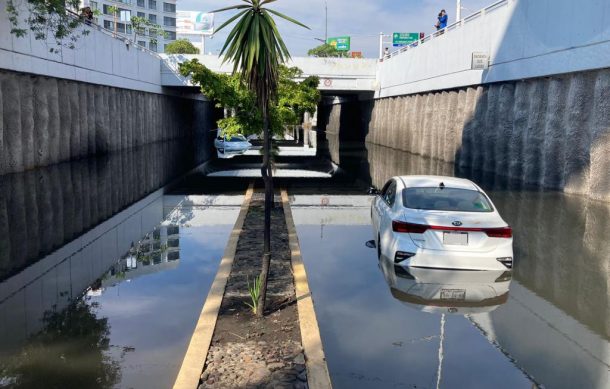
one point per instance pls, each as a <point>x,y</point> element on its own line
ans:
<point>99,291</point>
<point>544,324</point>
<point>103,288</point>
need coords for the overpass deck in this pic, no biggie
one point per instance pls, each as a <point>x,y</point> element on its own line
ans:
<point>336,74</point>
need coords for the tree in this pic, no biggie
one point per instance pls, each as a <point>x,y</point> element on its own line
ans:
<point>229,92</point>
<point>55,357</point>
<point>257,50</point>
<point>115,13</point>
<point>142,25</point>
<point>327,51</point>
<point>47,18</point>
<point>296,98</point>
<point>181,46</point>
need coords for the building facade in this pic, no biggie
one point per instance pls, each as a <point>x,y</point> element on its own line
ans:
<point>161,12</point>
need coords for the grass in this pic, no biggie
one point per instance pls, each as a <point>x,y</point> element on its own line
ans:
<point>255,291</point>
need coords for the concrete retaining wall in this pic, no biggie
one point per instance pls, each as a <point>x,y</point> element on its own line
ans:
<point>523,39</point>
<point>552,132</point>
<point>46,120</point>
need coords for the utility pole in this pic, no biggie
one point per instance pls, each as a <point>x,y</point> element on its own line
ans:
<point>381,45</point>
<point>326,10</point>
<point>458,14</point>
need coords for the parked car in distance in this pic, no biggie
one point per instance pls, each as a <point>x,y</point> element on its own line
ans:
<point>230,146</point>
<point>440,222</point>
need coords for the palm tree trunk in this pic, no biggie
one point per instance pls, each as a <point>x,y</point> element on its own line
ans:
<point>268,179</point>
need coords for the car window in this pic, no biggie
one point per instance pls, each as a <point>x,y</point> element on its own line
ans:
<point>236,138</point>
<point>385,189</point>
<point>446,199</point>
<point>389,193</point>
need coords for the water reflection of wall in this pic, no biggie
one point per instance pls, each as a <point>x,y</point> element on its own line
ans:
<point>385,163</point>
<point>40,210</point>
<point>55,281</point>
<point>553,347</point>
<point>157,251</point>
<point>562,252</point>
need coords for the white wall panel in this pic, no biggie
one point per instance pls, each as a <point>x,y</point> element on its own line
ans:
<point>524,38</point>
<point>98,58</point>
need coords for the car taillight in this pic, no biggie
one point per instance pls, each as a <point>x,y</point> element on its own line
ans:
<point>504,232</point>
<point>412,228</point>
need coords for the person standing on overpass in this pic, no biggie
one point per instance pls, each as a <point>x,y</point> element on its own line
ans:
<point>442,20</point>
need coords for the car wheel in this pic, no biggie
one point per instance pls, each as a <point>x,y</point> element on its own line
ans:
<point>378,246</point>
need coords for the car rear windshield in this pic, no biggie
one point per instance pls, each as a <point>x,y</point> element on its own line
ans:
<point>236,138</point>
<point>446,199</point>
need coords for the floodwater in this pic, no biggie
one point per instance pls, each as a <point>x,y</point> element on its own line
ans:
<point>114,307</point>
<point>103,276</point>
<point>546,324</point>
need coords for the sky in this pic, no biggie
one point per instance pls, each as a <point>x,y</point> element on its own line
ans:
<point>363,20</point>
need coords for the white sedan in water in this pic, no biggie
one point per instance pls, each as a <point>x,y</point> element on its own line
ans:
<point>230,146</point>
<point>440,222</point>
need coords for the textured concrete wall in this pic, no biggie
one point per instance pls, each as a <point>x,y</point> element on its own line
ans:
<point>43,209</point>
<point>549,132</point>
<point>47,120</point>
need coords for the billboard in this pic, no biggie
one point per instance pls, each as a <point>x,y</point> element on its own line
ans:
<point>341,43</point>
<point>194,23</point>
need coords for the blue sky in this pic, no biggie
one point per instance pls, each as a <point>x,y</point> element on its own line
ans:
<point>361,19</point>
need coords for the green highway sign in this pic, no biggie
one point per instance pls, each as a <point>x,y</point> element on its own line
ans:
<point>341,43</point>
<point>404,38</point>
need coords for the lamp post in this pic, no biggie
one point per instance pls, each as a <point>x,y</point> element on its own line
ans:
<point>381,51</point>
<point>326,11</point>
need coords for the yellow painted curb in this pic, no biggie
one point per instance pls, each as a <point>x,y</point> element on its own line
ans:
<point>194,359</point>
<point>317,370</point>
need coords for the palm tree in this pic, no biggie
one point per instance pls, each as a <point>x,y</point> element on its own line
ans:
<point>257,50</point>
<point>114,11</point>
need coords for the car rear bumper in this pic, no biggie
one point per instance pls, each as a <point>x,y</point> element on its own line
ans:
<point>463,260</point>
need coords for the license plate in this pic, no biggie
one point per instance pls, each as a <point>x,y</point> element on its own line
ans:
<point>453,294</point>
<point>455,238</point>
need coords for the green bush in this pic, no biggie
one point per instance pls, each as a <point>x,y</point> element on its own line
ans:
<point>181,46</point>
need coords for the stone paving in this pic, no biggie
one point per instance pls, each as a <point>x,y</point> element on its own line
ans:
<point>255,365</point>
<point>247,352</point>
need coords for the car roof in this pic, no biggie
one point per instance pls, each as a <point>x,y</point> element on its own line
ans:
<point>435,181</point>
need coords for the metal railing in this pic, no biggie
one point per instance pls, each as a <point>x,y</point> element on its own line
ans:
<point>129,42</point>
<point>479,14</point>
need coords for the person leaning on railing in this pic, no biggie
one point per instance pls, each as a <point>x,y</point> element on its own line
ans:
<point>442,20</point>
<point>87,15</point>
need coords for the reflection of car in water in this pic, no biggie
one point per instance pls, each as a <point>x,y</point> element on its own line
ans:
<point>447,291</point>
<point>440,222</point>
<point>228,147</point>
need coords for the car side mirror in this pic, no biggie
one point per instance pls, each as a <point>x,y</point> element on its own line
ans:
<point>373,191</point>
